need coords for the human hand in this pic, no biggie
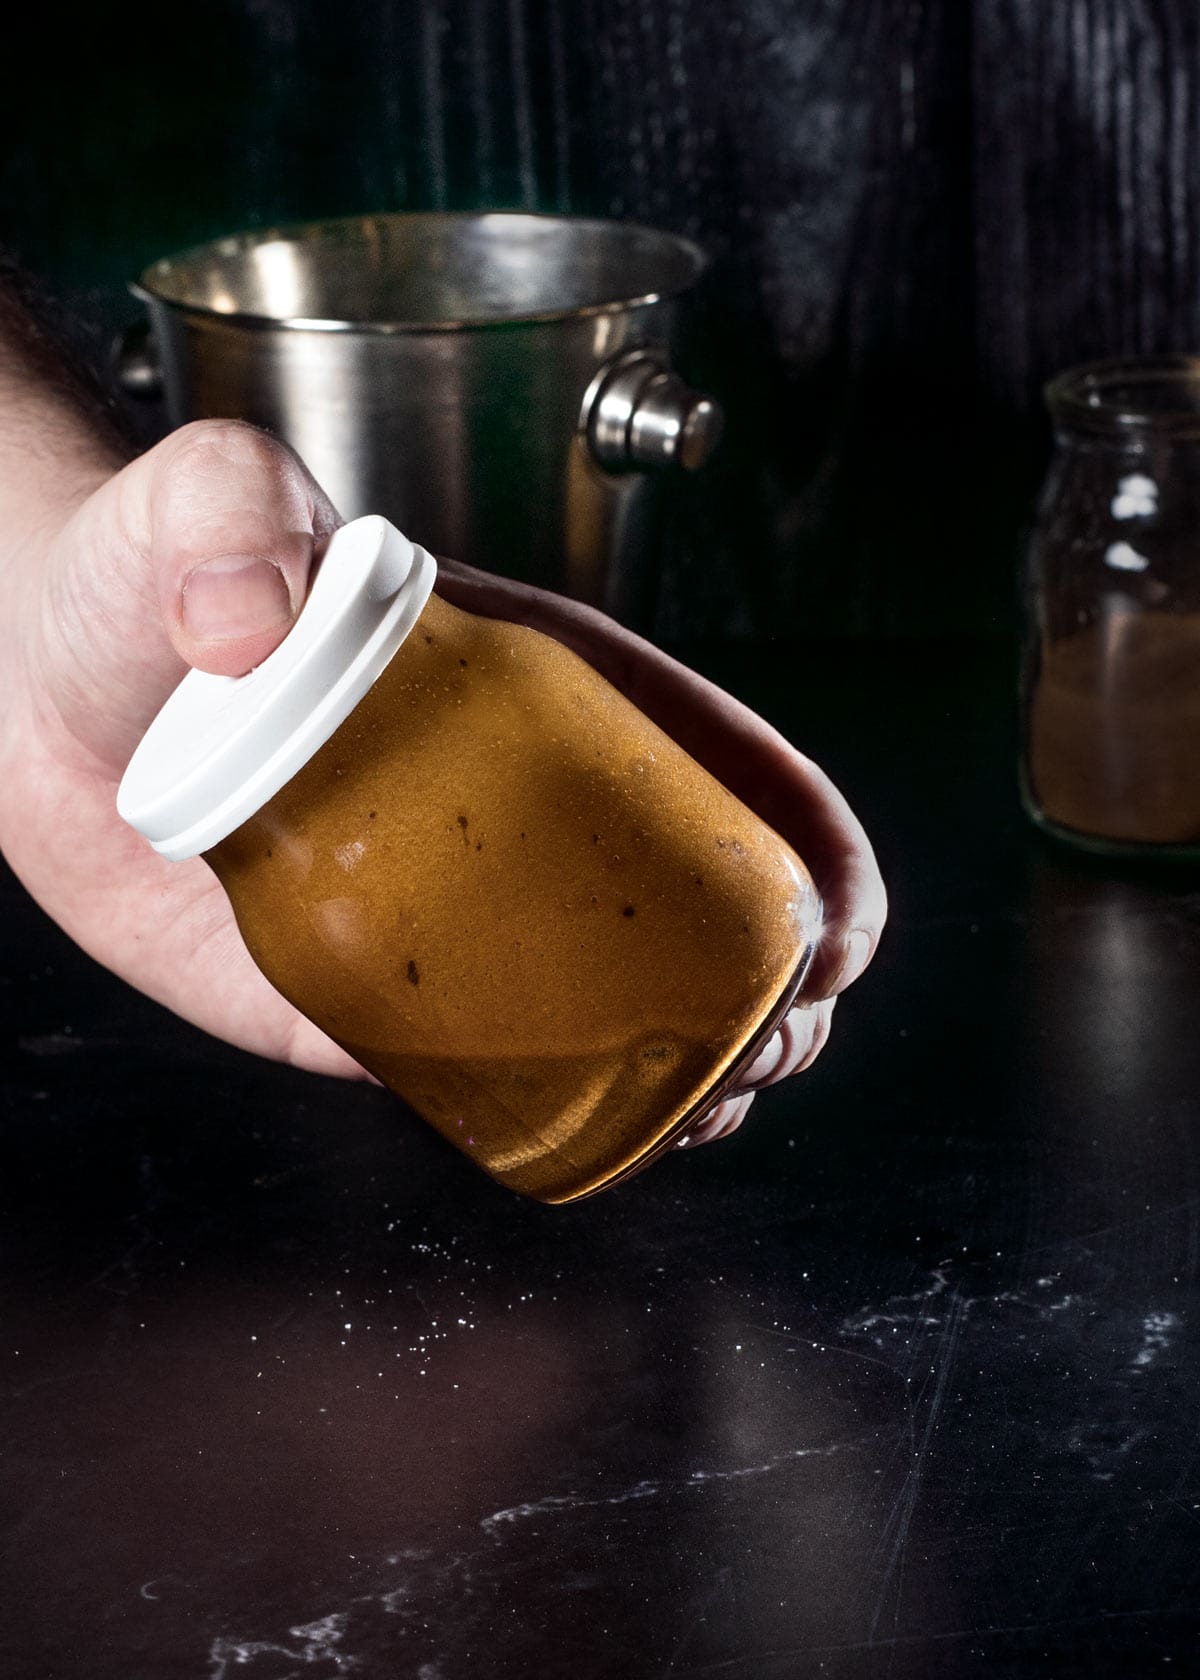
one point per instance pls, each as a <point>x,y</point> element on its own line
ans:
<point>199,553</point>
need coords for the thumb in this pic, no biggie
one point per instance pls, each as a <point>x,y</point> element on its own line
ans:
<point>231,522</point>
<point>197,553</point>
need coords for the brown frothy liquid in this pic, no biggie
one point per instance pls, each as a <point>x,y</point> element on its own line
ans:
<point>1114,730</point>
<point>521,905</point>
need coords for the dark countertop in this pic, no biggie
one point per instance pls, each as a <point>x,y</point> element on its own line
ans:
<point>901,1382</point>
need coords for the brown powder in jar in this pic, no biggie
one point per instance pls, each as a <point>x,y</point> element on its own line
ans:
<point>1114,729</point>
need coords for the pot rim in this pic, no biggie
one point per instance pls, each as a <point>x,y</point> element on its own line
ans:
<point>144,288</point>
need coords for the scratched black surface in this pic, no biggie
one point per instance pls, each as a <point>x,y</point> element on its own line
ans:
<point>902,1382</point>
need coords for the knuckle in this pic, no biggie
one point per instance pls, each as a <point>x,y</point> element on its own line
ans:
<point>800,1024</point>
<point>217,446</point>
<point>881,904</point>
<point>822,1022</point>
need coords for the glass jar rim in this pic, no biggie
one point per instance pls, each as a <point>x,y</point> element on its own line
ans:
<point>1129,395</point>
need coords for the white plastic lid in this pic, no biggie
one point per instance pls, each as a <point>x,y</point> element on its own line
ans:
<point>222,746</point>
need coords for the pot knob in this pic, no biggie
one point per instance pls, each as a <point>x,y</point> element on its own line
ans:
<point>640,415</point>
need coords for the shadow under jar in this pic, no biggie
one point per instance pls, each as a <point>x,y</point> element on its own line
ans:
<point>464,855</point>
<point>1111,670</point>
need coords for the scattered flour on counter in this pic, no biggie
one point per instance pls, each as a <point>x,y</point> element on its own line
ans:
<point>1158,1328</point>
<point>318,1642</point>
<point>492,1525</point>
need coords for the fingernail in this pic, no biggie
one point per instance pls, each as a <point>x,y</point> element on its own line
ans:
<point>712,1119</point>
<point>858,950</point>
<point>765,1063</point>
<point>699,1130</point>
<point>235,595</point>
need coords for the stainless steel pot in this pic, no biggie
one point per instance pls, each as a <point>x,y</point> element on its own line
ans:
<point>499,385</point>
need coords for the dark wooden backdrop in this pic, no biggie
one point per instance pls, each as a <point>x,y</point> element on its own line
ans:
<point>919,210</point>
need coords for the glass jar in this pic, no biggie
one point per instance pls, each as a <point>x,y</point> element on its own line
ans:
<point>458,850</point>
<point>1111,670</point>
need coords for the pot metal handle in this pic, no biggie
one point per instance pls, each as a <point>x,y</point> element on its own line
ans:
<point>135,362</point>
<point>639,415</point>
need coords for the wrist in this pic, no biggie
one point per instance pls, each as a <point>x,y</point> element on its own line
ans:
<point>60,433</point>
<point>44,486</point>
<point>29,545</point>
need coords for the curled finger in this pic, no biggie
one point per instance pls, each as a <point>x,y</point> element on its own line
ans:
<point>794,1046</point>
<point>719,1122</point>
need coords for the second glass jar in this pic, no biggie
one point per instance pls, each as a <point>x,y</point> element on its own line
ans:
<point>1111,681</point>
